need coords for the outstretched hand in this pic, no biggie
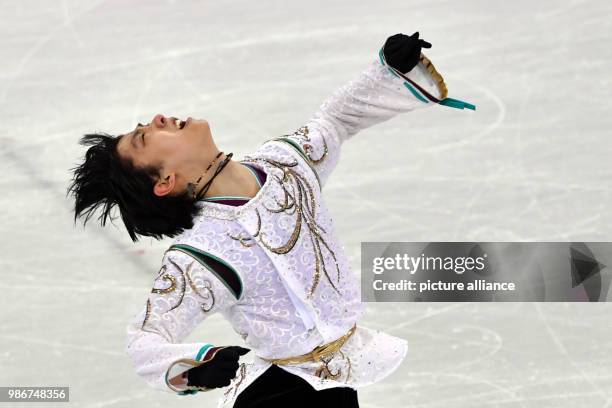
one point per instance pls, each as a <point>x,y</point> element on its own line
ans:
<point>219,371</point>
<point>402,52</point>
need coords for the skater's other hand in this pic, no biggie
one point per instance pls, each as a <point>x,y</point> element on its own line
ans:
<point>403,52</point>
<point>219,371</point>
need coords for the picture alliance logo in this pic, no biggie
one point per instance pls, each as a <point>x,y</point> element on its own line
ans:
<point>412,264</point>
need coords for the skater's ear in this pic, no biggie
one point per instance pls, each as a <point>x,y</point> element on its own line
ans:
<point>164,185</point>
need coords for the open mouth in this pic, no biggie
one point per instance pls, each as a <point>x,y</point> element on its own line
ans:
<point>180,124</point>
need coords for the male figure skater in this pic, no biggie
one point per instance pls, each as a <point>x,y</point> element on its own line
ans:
<point>255,242</point>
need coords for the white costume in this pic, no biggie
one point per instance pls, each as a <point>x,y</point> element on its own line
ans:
<point>285,283</point>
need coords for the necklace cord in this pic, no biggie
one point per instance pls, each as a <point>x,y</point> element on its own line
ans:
<point>218,170</point>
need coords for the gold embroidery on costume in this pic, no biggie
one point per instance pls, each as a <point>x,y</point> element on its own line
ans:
<point>435,75</point>
<point>147,314</point>
<point>288,246</point>
<point>237,384</point>
<point>287,205</point>
<point>304,208</point>
<point>166,277</point>
<point>324,372</point>
<point>242,376</point>
<point>162,291</point>
<point>183,285</point>
<point>303,131</point>
<point>208,293</point>
<point>243,240</point>
<point>243,237</point>
<point>146,320</point>
<point>348,360</point>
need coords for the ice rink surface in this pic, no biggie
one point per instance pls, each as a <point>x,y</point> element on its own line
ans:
<point>531,164</point>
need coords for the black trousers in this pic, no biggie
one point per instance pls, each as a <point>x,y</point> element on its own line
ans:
<point>276,387</point>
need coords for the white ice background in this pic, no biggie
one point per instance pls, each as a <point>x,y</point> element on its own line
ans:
<point>533,163</point>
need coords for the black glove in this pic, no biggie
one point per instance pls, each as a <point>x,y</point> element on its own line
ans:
<point>219,371</point>
<point>403,52</point>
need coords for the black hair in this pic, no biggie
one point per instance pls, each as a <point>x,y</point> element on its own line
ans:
<point>105,180</point>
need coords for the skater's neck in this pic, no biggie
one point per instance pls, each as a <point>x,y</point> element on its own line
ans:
<point>234,180</point>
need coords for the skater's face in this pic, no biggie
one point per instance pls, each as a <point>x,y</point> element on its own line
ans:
<point>178,150</point>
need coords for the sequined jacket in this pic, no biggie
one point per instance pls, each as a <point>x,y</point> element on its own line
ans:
<point>274,267</point>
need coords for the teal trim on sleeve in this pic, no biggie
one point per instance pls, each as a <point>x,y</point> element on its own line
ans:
<point>187,392</point>
<point>381,55</point>
<point>412,90</point>
<point>456,103</point>
<point>199,356</point>
<point>449,102</point>
<point>415,93</point>
<point>203,351</point>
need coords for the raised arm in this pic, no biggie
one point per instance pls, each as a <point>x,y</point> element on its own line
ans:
<point>184,294</point>
<point>378,94</point>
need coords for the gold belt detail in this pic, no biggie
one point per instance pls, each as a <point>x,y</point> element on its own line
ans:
<point>316,354</point>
